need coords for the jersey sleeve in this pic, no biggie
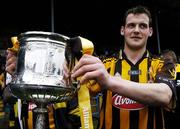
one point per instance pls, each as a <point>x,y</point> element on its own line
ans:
<point>167,74</point>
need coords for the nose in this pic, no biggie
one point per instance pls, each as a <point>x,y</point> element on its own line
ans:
<point>136,29</point>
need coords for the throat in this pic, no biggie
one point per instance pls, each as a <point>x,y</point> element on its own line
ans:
<point>134,56</point>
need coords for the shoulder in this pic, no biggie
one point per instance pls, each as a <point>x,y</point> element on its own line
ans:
<point>157,62</point>
<point>109,59</point>
<point>109,62</point>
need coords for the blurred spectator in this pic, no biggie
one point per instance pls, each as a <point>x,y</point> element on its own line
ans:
<point>172,118</point>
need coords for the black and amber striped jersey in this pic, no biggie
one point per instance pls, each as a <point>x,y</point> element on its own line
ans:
<point>119,112</point>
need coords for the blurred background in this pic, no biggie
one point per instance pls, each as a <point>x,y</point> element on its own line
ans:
<point>97,20</point>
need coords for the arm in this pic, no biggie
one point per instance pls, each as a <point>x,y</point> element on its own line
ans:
<point>11,62</point>
<point>148,93</point>
<point>90,67</point>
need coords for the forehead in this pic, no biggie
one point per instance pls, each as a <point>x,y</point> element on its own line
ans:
<point>137,18</point>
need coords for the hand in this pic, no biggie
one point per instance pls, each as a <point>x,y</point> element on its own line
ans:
<point>11,62</point>
<point>66,73</point>
<point>91,68</point>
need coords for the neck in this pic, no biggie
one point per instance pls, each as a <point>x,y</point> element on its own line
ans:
<point>134,55</point>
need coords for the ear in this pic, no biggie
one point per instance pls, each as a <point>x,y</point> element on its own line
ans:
<point>150,31</point>
<point>122,30</point>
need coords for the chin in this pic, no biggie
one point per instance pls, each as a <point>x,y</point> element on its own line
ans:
<point>136,47</point>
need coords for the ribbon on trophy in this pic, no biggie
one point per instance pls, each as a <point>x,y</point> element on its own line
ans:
<point>83,93</point>
<point>15,47</point>
<point>79,47</point>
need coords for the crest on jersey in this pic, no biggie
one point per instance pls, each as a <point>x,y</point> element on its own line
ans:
<point>134,72</point>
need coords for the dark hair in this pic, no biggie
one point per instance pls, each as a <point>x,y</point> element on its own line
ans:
<point>169,55</point>
<point>138,10</point>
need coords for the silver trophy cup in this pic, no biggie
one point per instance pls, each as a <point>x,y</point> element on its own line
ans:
<point>39,74</point>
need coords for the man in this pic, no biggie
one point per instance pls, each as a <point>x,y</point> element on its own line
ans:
<point>129,101</point>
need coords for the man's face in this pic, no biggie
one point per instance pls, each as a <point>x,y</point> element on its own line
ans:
<point>136,31</point>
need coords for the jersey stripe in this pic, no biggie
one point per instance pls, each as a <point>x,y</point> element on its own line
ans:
<point>143,78</point>
<point>124,114</point>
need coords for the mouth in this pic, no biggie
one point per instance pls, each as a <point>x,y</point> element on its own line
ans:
<point>136,37</point>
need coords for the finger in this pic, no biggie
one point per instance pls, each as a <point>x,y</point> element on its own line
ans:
<point>85,60</point>
<point>11,60</point>
<point>11,69</point>
<point>66,72</point>
<point>10,54</point>
<point>89,76</point>
<point>66,81</point>
<point>86,68</point>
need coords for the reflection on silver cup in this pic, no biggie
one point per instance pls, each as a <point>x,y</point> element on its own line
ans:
<point>39,68</point>
<point>43,64</point>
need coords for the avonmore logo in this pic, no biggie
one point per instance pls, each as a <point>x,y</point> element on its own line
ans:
<point>121,102</point>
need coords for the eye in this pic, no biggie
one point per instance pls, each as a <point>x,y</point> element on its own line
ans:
<point>130,25</point>
<point>143,26</point>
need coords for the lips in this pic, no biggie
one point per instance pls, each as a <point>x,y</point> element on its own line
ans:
<point>136,37</point>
